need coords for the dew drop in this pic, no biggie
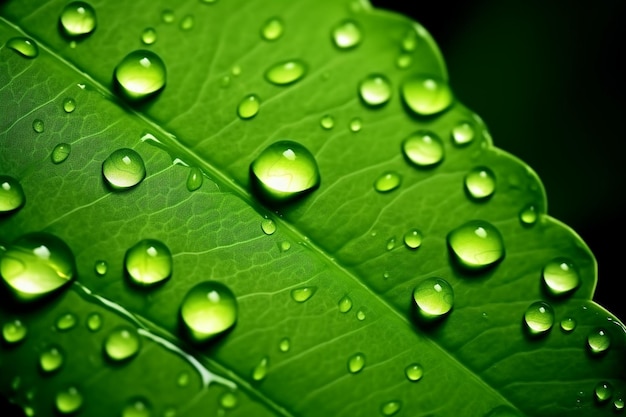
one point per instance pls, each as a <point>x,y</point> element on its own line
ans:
<point>603,391</point>
<point>539,318</point>
<point>14,331</point>
<point>260,370</point>
<point>123,169</point>
<point>208,309</point>
<point>284,345</point>
<point>187,22</point>
<point>560,276</point>
<point>51,359</point>
<point>136,407</point>
<point>101,268</point>
<point>23,46</point>
<point>355,125</point>
<point>375,90</point>
<point>37,264</point>
<point>346,34</point>
<point>413,239</point>
<point>284,246</point>
<point>287,72</point>
<point>476,245</point>
<point>140,74</point>
<point>426,95</point>
<point>148,36</point>
<point>327,122</point>
<point>390,408</point>
<point>249,107</point>
<point>69,105</point>
<point>38,125</point>
<point>463,134</point>
<point>360,315</point>
<point>391,243</point>
<point>618,404</point>
<point>356,363</point>
<point>272,29</point>
<point>12,195</point>
<point>568,325</point>
<point>404,61</point>
<point>60,153</point>
<point>345,304</point>
<point>423,149</point>
<point>122,343</point>
<point>268,226</point>
<point>434,298</point>
<point>528,215</point>
<point>386,182</point>
<point>66,322</point>
<point>183,379</point>
<point>94,322</point>
<point>167,16</point>
<point>194,179</point>
<point>78,19</point>
<point>414,372</point>
<point>302,294</point>
<point>284,171</point>
<point>598,341</point>
<point>228,400</point>
<point>68,400</point>
<point>480,183</point>
<point>148,262</point>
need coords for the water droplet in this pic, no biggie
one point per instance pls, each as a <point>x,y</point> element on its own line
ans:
<point>345,304</point>
<point>302,294</point>
<point>101,268</point>
<point>603,391</point>
<point>249,106</point>
<point>194,179</point>
<point>183,379</point>
<point>94,322</point>
<point>423,149</point>
<point>68,400</point>
<point>480,183</point>
<point>404,61</point>
<point>560,276</point>
<point>187,22</point>
<point>618,404</point>
<point>598,341</point>
<point>167,16</point>
<point>360,315</point>
<point>260,370</point>
<point>426,95</point>
<point>122,343</point>
<point>14,331</point>
<point>476,245</point>
<point>141,74</point>
<point>37,264</point>
<point>69,105</point>
<point>284,345</point>
<point>285,246</point>
<point>391,243</point>
<point>38,125</point>
<point>123,169</point>
<point>51,359</point>
<point>409,42</point>
<point>148,262</point>
<point>66,322</point>
<point>169,412</point>
<point>463,134</point>
<point>78,19</point>
<point>287,72</point>
<point>149,36</point>
<point>284,171</point>
<point>136,407</point>
<point>375,90</point>
<point>387,182</point>
<point>568,324</point>
<point>414,372</point>
<point>390,408</point>
<point>327,122</point>
<point>539,318</point>
<point>228,400</point>
<point>346,34</point>
<point>236,70</point>
<point>208,309</point>
<point>12,195</point>
<point>356,125</point>
<point>272,29</point>
<point>268,226</point>
<point>356,363</point>
<point>434,298</point>
<point>413,239</point>
<point>61,152</point>
<point>23,46</point>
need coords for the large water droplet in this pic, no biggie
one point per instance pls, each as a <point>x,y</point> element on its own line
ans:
<point>123,169</point>
<point>414,372</point>
<point>603,391</point>
<point>272,29</point>
<point>375,90</point>
<point>194,179</point>
<point>66,322</point>
<point>14,331</point>
<point>208,309</point>
<point>426,95</point>
<point>78,19</point>
<point>476,245</point>
<point>122,343</point>
<point>560,276</point>
<point>23,46</point>
<point>387,181</point>
<point>346,34</point>
<point>60,153</point>
<point>51,359</point>
<point>284,171</point>
<point>68,401</point>
<point>249,106</point>
<point>480,183</point>
<point>413,239</point>
<point>260,370</point>
<point>345,304</point>
<point>423,149</point>
<point>149,36</point>
<point>137,407</point>
<point>287,72</point>
<point>434,298</point>
<point>356,363</point>
<point>302,294</point>
<point>148,262</point>
<point>36,265</point>
<point>141,74</point>
<point>539,318</point>
<point>12,195</point>
<point>390,408</point>
<point>598,341</point>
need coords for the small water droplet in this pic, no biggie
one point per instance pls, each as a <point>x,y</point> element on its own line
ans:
<point>404,61</point>
<point>423,149</point>
<point>183,379</point>
<point>187,22</point>
<point>598,341</point>
<point>355,125</point>
<point>528,215</point>
<point>480,183</point>
<point>140,74</point>
<point>390,408</point>
<point>194,179</point>
<point>409,42</point>
<point>618,404</point>
<point>345,304</point>
<point>302,294</point>
<point>137,407</point>
<point>360,315</point>
<point>208,309</point>
<point>51,359</point>
<point>356,363</point>
<point>169,412</point>
<point>560,276</point>
<point>66,322</point>
<point>78,19</point>
<point>228,400</point>
<point>476,245</point>
<point>167,16</point>
<point>463,134</point>
<point>12,195</point>
<point>69,105</point>
<point>101,268</point>
<point>235,70</point>
<point>391,243</point>
<point>60,153</point>
<point>346,34</point>
<point>426,95</point>
<point>23,46</point>
<point>94,322</point>
<point>603,391</point>
<point>539,318</point>
<point>260,370</point>
<point>268,226</point>
<point>375,90</point>
<point>148,262</point>
<point>38,125</point>
<point>37,264</point>
<point>284,344</point>
<point>284,246</point>
<point>388,181</point>
<point>413,239</point>
<point>149,36</point>
<point>272,29</point>
<point>286,72</point>
<point>327,122</point>
<point>434,298</point>
<point>122,343</point>
<point>414,372</point>
<point>69,400</point>
<point>249,107</point>
<point>14,331</point>
<point>123,169</point>
<point>284,171</point>
<point>568,325</point>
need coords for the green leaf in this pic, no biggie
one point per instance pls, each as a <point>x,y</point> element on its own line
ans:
<point>319,353</point>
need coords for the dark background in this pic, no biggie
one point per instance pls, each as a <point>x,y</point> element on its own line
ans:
<point>545,78</point>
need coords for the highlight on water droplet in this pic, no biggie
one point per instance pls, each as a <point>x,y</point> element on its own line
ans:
<point>139,75</point>
<point>60,153</point>
<point>355,125</point>
<point>598,341</point>
<point>272,29</point>
<point>426,95</point>
<point>123,169</point>
<point>137,407</point>
<point>101,267</point>
<point>148,262</point>
<point>539,318</point>
<point>528,215</point>
<point>66,322</point>
<point>302,294</point>
<point>284,345</point>
<point>480,183</point>
<point>424,149</point>
<point>36,265</point>
<point>268,226</point>
<point>69,105</point>
<point>260,370</point>
<point>413,239</point>
<point>228,400</point>
<point>568,324</point>
<point>284,171</point>
<point>327,122</point>
<point>12,195</point>
<point>68,400</point>
<point>345,304</point>
<point>375,90</point>
<point>51,359</point>
<point>286,72</point>
<point>414,372</point>
<point>603,391</point>
<point>14,331</point>
<point>77,19</point>
<point>346,34</point>
<point>463,134</point>
<point>356,363</point>
<point>208,310</point>
<point>390,408</point>
<point>249,107</point>
<point>434,298</point>
<point>38,125</point>
<point>149,36</point>
<point>476,245</point>
<point>94,322</point>
<point>387,182</point>
<point>24,46</point>
<point>560,276</point>
<point>122,343</point>
<point>194,179</point>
